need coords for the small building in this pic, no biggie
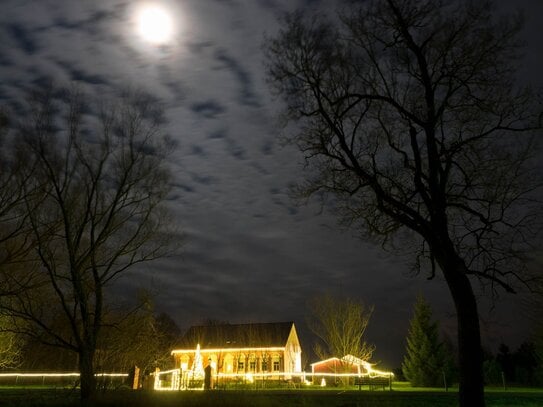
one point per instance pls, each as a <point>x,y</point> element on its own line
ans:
<point>348,364</point>
<point>348,369</point>
<point>270,350</point>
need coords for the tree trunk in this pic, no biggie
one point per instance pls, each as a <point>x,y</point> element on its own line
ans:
<point>471,389</point>
<point>87,379</point>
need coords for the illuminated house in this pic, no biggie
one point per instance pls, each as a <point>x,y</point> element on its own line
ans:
<point>270,350</point>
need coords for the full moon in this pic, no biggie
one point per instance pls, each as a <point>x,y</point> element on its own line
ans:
<point>154,24</point>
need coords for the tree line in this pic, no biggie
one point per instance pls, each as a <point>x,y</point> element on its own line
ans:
<point>430,358</point>
<point>139,337</point>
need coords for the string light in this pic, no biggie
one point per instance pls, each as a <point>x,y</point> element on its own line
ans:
<point>252,376</point>
<point>60,374</point>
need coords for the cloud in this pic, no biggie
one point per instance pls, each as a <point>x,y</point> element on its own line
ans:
<point>80,75</point>
<point>208,109</point>
<point>88,24</point>
<point>247,95</point>
<point>23,37</point>
<point>198,150</point>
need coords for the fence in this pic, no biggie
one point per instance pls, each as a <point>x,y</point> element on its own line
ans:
<point>176,379</point>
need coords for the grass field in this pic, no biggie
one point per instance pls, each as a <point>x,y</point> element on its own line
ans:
<point>36,397</point>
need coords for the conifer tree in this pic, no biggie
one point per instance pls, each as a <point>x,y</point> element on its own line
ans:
<point>425,359</point>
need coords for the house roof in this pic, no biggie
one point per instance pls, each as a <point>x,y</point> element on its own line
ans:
<point>223,336</point>
<point>322,362</point>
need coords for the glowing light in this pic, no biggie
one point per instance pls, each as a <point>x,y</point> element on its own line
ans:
<point>353,361</point>
<point>251,377</point>
<point>60,374</point>
<point>39,374</point>
<point>219,350</point>
<point>154,24</point>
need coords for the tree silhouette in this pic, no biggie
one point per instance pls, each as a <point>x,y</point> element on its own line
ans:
<point>96,180</point>
<point>425,358</point>
<point>409,116</point>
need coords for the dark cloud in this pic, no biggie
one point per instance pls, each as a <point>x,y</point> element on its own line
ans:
<point>5,61</point>
<point>183,187</point>
<point>267,147</point>
<point>203,179</point>
<point>24,38</point>
<point>247,94</point>
<point>198,150</point>
<point>199,47</point>
<point>80,75</point>
<point>235,149</point>
<point>271,4</point>
<point>218,134</point>
<point>208,109</point>
<point>171,81</point>
<point>89,24</point>
<point>259,168</point>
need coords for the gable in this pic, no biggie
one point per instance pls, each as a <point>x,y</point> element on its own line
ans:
<point>293,338</point>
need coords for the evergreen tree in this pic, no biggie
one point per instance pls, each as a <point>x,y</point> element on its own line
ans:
<point>425,359</point>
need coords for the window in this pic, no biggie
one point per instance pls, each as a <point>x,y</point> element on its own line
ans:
<point>241,365</point>
<point>252,366</point>
<point>229,363</point>
<point>264,365</point>
<point>275,365</point>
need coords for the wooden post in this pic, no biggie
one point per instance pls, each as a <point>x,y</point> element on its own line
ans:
<point>390,382</point>
<point>136,382</point>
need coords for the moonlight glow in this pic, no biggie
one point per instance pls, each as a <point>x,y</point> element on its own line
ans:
<point>154,24</point>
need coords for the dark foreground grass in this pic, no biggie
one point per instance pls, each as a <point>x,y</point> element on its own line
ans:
<point>291,398</point>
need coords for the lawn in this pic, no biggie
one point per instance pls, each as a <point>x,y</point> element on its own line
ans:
<point>35,397</point>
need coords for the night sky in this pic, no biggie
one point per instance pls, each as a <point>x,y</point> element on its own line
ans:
<point>250,254</point>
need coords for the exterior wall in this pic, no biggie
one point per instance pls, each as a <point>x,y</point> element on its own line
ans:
<point>238,362</point>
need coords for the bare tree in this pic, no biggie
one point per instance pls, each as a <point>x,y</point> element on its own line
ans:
<point>408,114</point>
<point>13,177</point>
<point>10,346</point>
<point>340,324</point>
<point>93,205</point>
